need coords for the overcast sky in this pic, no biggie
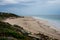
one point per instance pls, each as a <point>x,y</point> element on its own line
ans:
<point>31,7</point>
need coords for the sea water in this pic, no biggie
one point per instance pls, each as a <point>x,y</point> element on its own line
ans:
<point>52,19</point>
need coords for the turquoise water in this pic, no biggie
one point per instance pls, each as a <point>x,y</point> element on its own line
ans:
<point>53,19</point>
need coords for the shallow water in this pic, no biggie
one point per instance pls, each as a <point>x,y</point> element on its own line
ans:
<point>52,19</point>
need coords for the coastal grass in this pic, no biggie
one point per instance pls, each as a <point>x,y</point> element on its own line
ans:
<point>14,32</point>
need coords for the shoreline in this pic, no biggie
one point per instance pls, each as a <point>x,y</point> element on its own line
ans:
<point>54,23</point>
<point>34,25</point>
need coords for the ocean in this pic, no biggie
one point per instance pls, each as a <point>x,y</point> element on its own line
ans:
<point>52,19</point>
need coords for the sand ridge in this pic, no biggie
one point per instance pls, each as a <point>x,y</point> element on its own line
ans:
<point>35,26</point>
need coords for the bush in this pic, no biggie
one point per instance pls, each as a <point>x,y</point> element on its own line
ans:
<point>4,15</point>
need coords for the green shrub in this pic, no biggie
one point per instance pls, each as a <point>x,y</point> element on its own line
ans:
<point>3,39</point>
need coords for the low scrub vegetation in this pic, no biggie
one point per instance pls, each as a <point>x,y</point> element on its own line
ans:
<point>4,15</point>
<point>15,32</point>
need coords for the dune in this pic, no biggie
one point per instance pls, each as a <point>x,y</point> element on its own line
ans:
<point>35,26</point>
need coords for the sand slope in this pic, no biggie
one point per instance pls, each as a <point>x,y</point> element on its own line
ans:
<point>35,26</point>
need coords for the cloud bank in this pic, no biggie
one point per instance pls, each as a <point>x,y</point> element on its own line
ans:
<point>2,2</point>
<point>6,2</point>
<point>31,7</point>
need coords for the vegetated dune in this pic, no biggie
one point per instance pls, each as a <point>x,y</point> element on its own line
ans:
<point>14,27</point>
<point>35,26</point>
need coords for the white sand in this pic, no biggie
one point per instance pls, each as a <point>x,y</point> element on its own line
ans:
<point>33,25</point>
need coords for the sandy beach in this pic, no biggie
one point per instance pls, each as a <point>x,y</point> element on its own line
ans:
<point>54,23</point>
<point>35,26</point>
